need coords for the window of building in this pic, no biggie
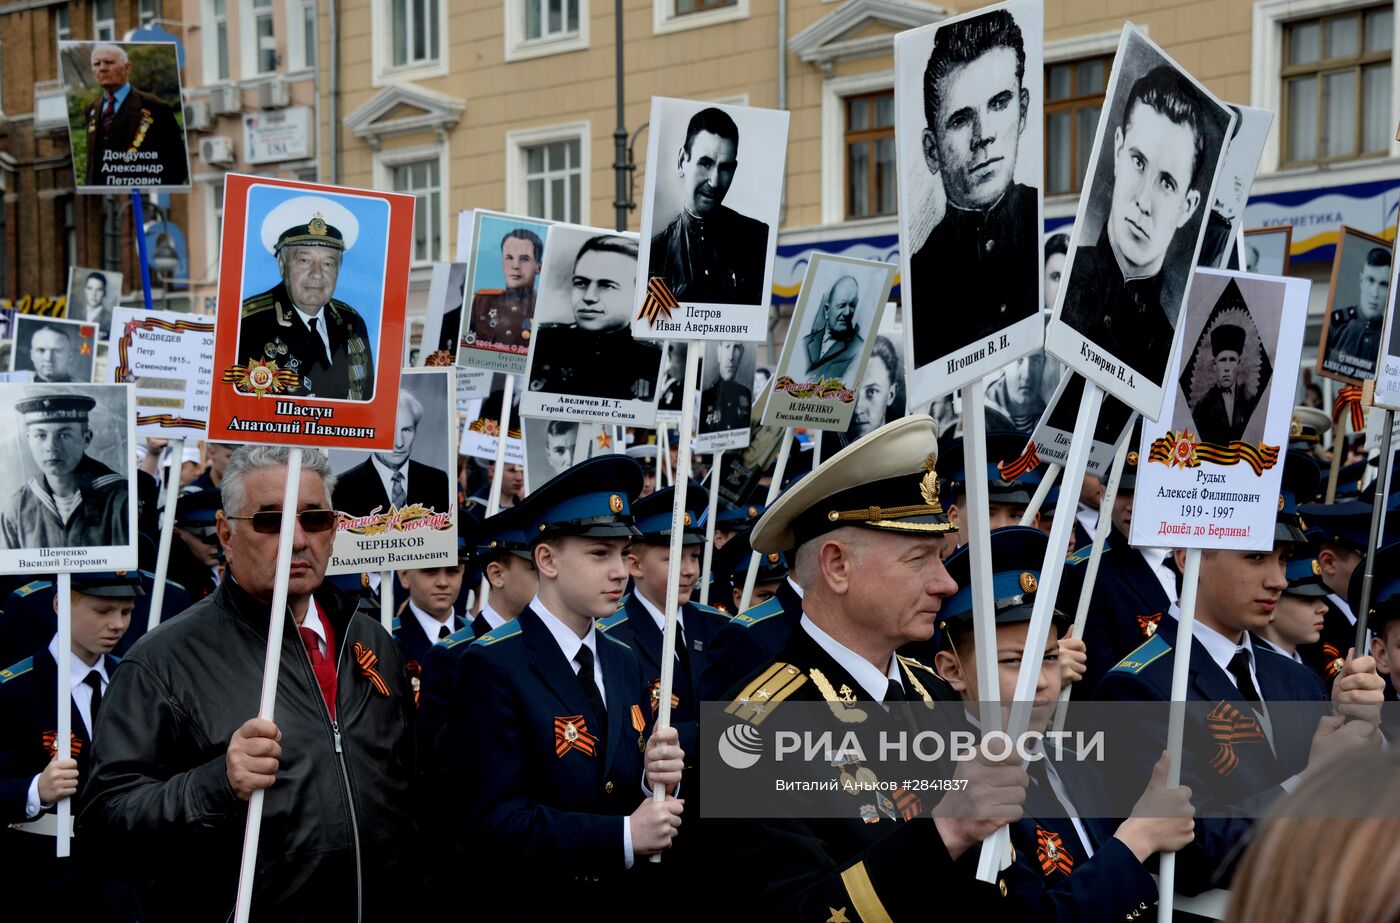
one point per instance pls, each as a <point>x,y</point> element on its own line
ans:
<point>146,12</point>
<point>308,33</point>
<point>550,19</point>
<point>1073,97</point>
<point>870,170</point>
<point>62,24</point>
<point>423,179</point>
<point>265,35</point>
<point>677,15</point>
<point>684,7</point>
<point>1336,86</point>
<point>552,181</point>
<point>216,41</point>
<point>301,34</point>
<point>104,20</point>
<point>414,32</point>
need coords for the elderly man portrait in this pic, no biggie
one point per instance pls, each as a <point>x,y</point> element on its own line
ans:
<point>1354,340</point>
<point>710,253</point>
<point>181,751</point>
<point>835,341</point>
<point>75,500</point>
<point>52,354</point>
<point>126,120</point>
<point>502,317</point>
<point>1115,296</point>
<point>300,325</point>
<point>394,479</point>
<point>1223,412</point>
<point>976,105</point>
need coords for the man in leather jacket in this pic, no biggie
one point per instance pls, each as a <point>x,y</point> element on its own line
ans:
<point>183,753</point>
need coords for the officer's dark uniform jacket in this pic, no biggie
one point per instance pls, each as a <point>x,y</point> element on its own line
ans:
<point>610,364</point>
<point>337,830</point>
<point>1123,317</point>
<point>803,866</point>
<point>719,259</point>
<point>272,329</point>
<point>995,248</point>
<point>1356,337</point>
<point>750,639</point>
<point>725,405</point>
<point>1240,774</point>
<point>501,319</point>
<point>32,519</point>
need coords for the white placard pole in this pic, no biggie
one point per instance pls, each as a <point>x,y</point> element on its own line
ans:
<point>1047,482</point>
<point>1378,512</point>
<point>996,847</point>
<point>673,568</point>
<point>386,601</point>
<point>1181,673</point>
<point>817,450</point>
<point>1091,572</point>
<point>663,451</point>
<point>658,480</point>
<point>167,532</point>
<point>63,845</point>
<point>272,662</point>
<point>774,488</point>
<point>975,519</point>
<point>498,473</point>
<point>710,530</point>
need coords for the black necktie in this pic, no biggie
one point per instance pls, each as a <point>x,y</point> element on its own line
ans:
<point>584,659</point>
<point>894,692</point>
<point>1239,669</point>
<point>94,681</point>
<point>443,632</point>
<point>682,652</point>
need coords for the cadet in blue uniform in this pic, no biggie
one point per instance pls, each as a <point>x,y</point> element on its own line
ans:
<point>1341,530</point>
<point>32,778</point>
<point>871,533</point>
<point>549,719</point>
<point>1007,497</point>
<point>754,636</point>
<point>1238,593</point>
<point>427,616</point>
<point>1298,620</point>
<point>1067,866</point>
<point>196,560</point>
<point>731,565</point>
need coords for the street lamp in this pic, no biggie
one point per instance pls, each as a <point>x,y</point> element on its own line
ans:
<point>164,262</point>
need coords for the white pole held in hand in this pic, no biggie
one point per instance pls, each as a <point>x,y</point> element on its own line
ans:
<point>386,600</point>
<point>167,532</point>
<point>710,530</point>
<point>1047,481</point>
<point>1181,674</point>
<point>64,743</point>
<point>975,519</point>
<point>775,487</point>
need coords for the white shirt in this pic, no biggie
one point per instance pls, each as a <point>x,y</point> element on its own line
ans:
<point>320,318</point>
<point>429,623</point>
<point>1156,559</point>
<point>874,682</point>
<point>493,618</point>
<point>1088,517</point>
<point>82,698</point>
<point>570,643</point>
<point>1343,605</point>
<point>660,620</point>
<point>386,476</point>
<point>795,588</point>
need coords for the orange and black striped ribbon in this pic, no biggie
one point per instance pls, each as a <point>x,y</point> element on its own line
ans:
<point>1012,470</point>
<point>169,420</point>
<point>1147,624</point>
<point>639,721</point>
<point>1350,397</point>
<point>658,302</point>
<point>1335,661</point>
<point>1051,852</point>
<point>656,701</point>
<point>51,743</point>
<point>570,733</point>
<point>1228,727</point>
<point>365,659</point>
<point>907,803</point>
<point>1259,458</point>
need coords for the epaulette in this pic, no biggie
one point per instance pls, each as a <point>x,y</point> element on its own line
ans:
<point>1080,555</point>
<point>508,630</point>
<point>458,636</point>
<point>19,669</point>
<point>337,305</point>
<point>910,665</point>
<point>1154,648</point>
<point>622,644</point>
<point>711,610</point>
<point>394,626</point>
<point>755,614</point>
<point>913,664</point>
<point>617,618</point>
<point>767,689</point>
<point>488,291</point>
<point>258,304</point>
<point>32,586</point>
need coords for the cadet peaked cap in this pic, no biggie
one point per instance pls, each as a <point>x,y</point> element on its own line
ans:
<point>1002,447</point>
<point>1305,575</point>
<point>592,498</point>
<point>1385,586</point>
<point>734,558</point>
<point>1346,522</point>
<point>114,584</point>
<point>886,480</point>
<point>507,532</point>
<point>1017,554</point>
<point>652,515</point>
<point>56,408</point>
<point>1128,479</point>
<point>732,517</point>
<point>1308,424</point>
<point>314,233</point>
<point>199,507</point>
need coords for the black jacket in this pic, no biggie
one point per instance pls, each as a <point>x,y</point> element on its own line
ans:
<point>359,491</point>
<point>337,826</point>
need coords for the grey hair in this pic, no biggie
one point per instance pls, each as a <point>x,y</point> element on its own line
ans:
<point>415,406</point>
<point>247,459</point>
<point>121,52</point>
<point>806,567</point>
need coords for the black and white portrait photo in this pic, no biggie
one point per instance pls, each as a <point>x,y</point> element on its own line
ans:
<point>1226,375</point>
<point>446,294</point>
<point>92,294</point>
<point>1266,250</point>
<point>672,386</point>
<point>714,185</point>
<point>1351,331</point>
<point>1250,131</point>
<point>1053,433</point>
<point>726,396</point>
<point>583,345</point>
<point>968,140</point>
<point>54,350</point>
<point>553,446</point>
<point>1140,223</point>
<point>69,449</point>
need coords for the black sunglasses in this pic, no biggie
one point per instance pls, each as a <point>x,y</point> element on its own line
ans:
<point>269,522</point>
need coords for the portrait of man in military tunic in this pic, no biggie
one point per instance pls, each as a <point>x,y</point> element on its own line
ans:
<point>299,323</point>
<point>1351,338</point>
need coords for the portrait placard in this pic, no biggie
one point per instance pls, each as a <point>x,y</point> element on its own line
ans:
<point>471,385</point>
<point>169,358</point>
<point>1267,251</point>
<point>1241,160</point>
<point>881,396</point>
<point>482,424</point>
<point>447,291</point>
<point>710,211</point>
<point>1210,468</point>
<point>1387,394</point>
<point>290,377</point>
<point>1052,435</point>
<point>671,389</point>
<point>92,295</point>
<point>398,509</point>
<point>54,350</point>
<point>829,340</point>
<point>1152,174</point>
<point>126,116</point>
<point>72,502</point>
<point>497,320</point>
<point>552,446</point>
<point>969,153</point>
<point>585,363</point>
<point>725,402</point>
<point>1350,342</point>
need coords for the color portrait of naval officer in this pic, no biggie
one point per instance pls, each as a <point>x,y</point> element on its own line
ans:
<point>976,105</point>
<point>299,324</point>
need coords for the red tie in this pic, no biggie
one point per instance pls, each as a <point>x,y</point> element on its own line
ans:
<point>322,666</point>
<point>108,113</point>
